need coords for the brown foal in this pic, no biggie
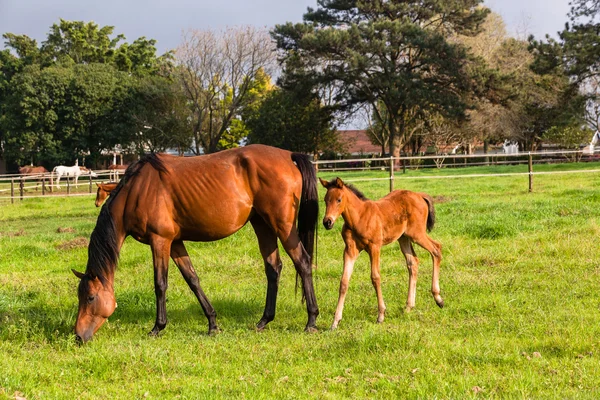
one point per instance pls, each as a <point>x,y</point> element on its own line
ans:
<point>401,216</point>
<point>103,192</point>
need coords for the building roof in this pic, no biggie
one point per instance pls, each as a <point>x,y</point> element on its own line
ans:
<point>358,142</point>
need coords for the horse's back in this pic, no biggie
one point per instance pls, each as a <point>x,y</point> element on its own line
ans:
<point>210,197</point>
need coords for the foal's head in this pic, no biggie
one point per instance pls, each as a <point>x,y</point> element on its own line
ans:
<point>335,201</point>
<point>104,190</point>
<point>96,303</point>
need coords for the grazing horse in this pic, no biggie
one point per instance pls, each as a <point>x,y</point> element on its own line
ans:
<point>70,172</point>
<point>401,216</point>
<point>104,190</point>
<point>31,170</point>
<point>163,200</point>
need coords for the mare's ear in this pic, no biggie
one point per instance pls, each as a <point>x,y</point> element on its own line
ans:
<point>339,183</point>
<point>78,274</point>
<point>324,183</point>
<point>97,184</point>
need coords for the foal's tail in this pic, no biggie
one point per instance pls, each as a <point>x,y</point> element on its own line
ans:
<point>309,206</point>
<point>431,214</point>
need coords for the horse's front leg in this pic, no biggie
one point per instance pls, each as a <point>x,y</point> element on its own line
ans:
<point>374,255</point>
<point>351,253</point>
<point>161,249</point>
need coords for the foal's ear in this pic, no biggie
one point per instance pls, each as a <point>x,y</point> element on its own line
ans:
<point>98,184</point>
<point>339,183</point>
<point>324,183</point>
<point>78,274</point>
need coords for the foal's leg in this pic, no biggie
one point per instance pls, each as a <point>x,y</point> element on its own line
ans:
<point>181,257</point>
<point>351,253</point>
<point>374,254</point>
<point>435,249</point>
<point>161,248</point>
<point>412,263</point>
<point>267,242</point>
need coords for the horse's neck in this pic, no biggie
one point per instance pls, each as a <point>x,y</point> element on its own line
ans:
<point>354,210</point>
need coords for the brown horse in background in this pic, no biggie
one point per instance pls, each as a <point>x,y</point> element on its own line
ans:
<point>116,169</point>
<point>401,216</point>
<point>163,200</point>
<point>104,190</point>
<point>31,170</point>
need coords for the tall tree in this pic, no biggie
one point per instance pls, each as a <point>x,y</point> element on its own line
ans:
<point>293,121</point>
<point>395,52</point>
<point>218,72</point>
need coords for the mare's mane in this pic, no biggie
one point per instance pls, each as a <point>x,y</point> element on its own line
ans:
<point>103,251</point>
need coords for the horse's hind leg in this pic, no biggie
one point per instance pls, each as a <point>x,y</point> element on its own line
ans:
<point>291,243</point>
<point>161,248</point>
<point>181,258</point>
<point>267,242</point>
<point>412,263</point>
<point>435,249</point>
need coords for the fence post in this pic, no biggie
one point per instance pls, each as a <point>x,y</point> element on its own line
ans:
<point>530,173</point>
<point>68,186</point>
<point>391,174</point>
<point>43,185</point>
<point>90,182</point>
<point>12,191</point>
<point>21,188</point>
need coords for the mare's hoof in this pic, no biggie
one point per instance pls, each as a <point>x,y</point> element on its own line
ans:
<point>311,329</point>
<point>154,333</point>
<point>261,325</point>
<point>407,309</point>
<point>214,331</point>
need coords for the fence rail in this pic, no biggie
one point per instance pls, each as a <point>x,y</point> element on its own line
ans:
<point>14,186</point>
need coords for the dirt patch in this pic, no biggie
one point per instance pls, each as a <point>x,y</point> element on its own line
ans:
<point>73,244</point>
<point>20,232</point>
<point>441,199</point>
<point>68,229</point>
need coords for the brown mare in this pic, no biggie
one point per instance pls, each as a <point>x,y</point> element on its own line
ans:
<point>31,170</point>
<point>163,200</point>
<point>104,190</point>
<point>401,216</point>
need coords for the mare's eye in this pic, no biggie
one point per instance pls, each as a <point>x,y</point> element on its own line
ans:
<point>339,200</point>
<point>91,298</point>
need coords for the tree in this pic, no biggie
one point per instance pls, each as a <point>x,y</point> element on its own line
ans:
<point>395,52</point>
<point>67,96</point>
<point>218,72</point>
<point>291,121</point>
<point>160,117</point>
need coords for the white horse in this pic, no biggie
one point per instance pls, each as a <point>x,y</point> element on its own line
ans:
<point>70,172</point>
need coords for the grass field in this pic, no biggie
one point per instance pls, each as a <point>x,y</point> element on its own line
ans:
<point>520,279</point>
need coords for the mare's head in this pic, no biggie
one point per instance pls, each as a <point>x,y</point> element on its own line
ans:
<point>96,304</point>
<point>335,201</point>
<point>104,190</point>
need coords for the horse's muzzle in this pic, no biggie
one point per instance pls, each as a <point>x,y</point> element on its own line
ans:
<point>328,223</point>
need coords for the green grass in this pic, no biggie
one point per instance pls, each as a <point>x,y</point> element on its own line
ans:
<point>520,276</point>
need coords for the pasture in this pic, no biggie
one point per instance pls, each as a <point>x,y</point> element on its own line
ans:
<point>520,278</point>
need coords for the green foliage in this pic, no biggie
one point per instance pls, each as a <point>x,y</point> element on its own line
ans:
<point>568,137</point>
<point>291,121</point>
<point>73,94</point>
<point>396,52</point>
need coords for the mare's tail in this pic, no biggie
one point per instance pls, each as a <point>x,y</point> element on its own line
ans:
<point>431,214</point>
<point>309,206</point>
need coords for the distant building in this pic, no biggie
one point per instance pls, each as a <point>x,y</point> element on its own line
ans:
<point>358,142</point>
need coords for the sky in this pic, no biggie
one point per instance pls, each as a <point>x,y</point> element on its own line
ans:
<point>165,20</point>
